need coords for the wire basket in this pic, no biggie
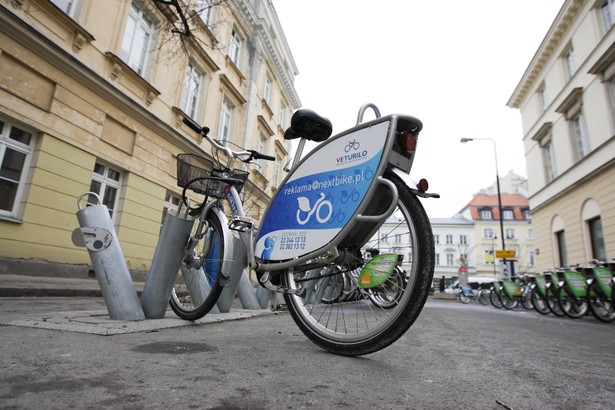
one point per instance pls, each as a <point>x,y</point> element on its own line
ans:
<point>205,179</point>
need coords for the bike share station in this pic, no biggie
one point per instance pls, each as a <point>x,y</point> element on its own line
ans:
<point>97,235</point>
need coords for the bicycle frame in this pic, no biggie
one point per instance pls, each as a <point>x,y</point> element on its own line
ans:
<point>386,143</point>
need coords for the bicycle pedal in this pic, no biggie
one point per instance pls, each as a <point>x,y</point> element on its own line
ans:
<point>241,224</point>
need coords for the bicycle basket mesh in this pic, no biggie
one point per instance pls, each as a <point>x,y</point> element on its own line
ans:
<point>191,166</point>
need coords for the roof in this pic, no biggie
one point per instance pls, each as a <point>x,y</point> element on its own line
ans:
<point>482,201</point>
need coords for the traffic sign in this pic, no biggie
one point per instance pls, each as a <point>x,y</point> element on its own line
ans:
<point>504,254</point>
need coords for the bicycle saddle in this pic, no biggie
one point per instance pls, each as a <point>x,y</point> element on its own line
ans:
<point>309,125</point>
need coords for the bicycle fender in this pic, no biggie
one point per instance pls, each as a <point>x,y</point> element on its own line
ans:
<point>411,184</point>
<point>227,260</point>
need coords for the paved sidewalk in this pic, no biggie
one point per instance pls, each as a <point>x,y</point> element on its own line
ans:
<point>94,320</point>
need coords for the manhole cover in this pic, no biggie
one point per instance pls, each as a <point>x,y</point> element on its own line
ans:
<point>174,348</point>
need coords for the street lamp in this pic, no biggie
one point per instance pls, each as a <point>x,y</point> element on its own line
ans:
<point>497,181</point>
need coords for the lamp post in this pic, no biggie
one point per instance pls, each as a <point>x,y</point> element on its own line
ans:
<point>497,182</point>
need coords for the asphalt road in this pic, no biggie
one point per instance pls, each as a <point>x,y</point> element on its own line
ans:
<point>455,356</point>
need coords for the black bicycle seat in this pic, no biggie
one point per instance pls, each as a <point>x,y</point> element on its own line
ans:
<point>309,125</point>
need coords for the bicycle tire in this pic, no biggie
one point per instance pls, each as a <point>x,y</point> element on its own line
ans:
<point>195,292</point>
<point>539,303</point>
<point>572,307</point>
<point>600,305</point>
<point>483,297</point>
<point>553,303</point>
<point>509,302</point>
<point>387,295</point>
<point>359,327</point>
<point>463,298</point>
<point>495,300</point>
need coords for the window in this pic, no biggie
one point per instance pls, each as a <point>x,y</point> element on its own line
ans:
<point>16,145</point>
<point>488,233</point>
<point>579,138</point>
<point>70,7</point>
<point>571,65</point>
<point>549,161</point>
<point>226,121</point>
<point>384,238</point>
<point>106,182</point>
<point>436,238</point>
<point>204,9</point>
<point>531,257</point>
<point>450,259</point>
<point>192,90</point>
<point>530,234</point>
<point>437,259</point>
<point>449,239</point>
<point>607,9</point>
<point>511,233</point>
<point>137,41</point>
<point>463,239</point>
<point>397,238</point>
<point>485,214</point>
<point>597,239</point>
<point>234,47</point>
<point>526,214</point>
<point>262,148</point>
<point>267,90</point>
<point>508,214</point>
<point>560,241</point>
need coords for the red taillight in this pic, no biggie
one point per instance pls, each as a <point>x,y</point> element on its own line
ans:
<point>408,141</point>
<point>423,185</point>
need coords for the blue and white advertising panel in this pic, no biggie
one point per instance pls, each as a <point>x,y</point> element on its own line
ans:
<point>322,195</point>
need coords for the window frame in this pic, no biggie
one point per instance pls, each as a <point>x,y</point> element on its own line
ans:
<point>6,142</point>
<point>487,230</point>
<point>106,181</point>
<point>138,17</point>
<point>608,14</point>
<point>580,145</point>
<point>225,132</point>
<point>193,90</point>
<point>234,47</point>
<point>72,8</point>
<point>204,9</point>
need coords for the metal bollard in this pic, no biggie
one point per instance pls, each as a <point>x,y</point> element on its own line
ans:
<point>165,265</point>
<point>247,293</point>
<point>98,236</point>
<point>239,258</point>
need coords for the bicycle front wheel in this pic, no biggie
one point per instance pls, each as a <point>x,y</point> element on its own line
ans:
<point>357,326</point>
<point>196,290</point>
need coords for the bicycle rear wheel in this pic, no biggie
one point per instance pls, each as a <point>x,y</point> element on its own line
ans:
<point>600,304</point>
<point>196,290</point>
<point>358,326</point>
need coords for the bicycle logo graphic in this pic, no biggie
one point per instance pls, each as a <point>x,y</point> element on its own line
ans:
<point>304,206</point>
<point>353,144</point>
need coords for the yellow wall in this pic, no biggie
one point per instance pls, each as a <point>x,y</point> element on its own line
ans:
<point>569,207</point>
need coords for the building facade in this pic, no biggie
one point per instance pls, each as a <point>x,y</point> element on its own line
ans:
<point>455,245</point>
<point>566,98</point>
<point>483,211</point>
<point>92,97</point>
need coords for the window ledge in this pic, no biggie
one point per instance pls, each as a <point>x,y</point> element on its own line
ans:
<point>7,218</point>
<point>120,69</point>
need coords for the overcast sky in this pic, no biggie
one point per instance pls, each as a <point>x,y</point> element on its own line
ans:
<point>453,64</point>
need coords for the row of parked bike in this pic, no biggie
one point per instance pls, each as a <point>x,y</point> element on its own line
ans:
<point>571,292</point>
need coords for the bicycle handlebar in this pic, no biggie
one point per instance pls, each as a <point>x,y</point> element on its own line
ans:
<point>250,154</point>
